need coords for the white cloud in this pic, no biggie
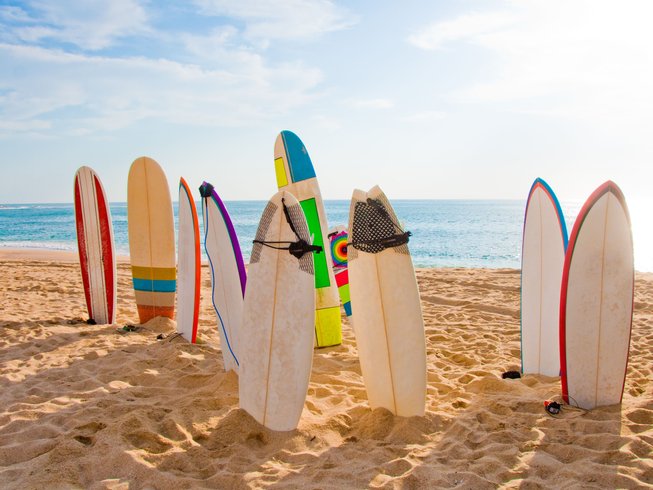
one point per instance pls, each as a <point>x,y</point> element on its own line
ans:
<point>578,59</point>
<point>214,78</point>
<point>326,122</point>
<point>287,19</point>
<point>467,27</point>
<point>380,103</point>
<point>424,117</point>
<point>90,93</point>
<point>89,24</point>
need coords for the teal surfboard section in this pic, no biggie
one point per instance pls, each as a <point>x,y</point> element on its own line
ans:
<point>301,167</point>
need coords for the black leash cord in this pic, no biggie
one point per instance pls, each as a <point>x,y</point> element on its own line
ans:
<point>297,249</point>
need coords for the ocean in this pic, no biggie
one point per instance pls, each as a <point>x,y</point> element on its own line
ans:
<point>445,233</point>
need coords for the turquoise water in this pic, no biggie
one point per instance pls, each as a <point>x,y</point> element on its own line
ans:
<point>446,233</point>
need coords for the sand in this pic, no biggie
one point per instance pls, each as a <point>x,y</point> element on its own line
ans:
<point>85,406</point>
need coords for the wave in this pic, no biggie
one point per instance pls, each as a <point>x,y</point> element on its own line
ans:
<point>67,246</point>
<point>9,207</point>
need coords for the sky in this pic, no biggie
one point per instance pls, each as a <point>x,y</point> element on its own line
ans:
<point>433,99</point>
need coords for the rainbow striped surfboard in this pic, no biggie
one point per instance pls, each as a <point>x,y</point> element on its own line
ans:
<point>338,240</point>
<point>151,240</point>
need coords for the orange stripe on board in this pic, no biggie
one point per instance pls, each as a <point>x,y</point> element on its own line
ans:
<point>146,312</point>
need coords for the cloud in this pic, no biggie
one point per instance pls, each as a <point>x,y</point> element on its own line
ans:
<point>468,27</point>
<point>561,58</point>
<point>78,67</point>
<point>424,117</point>
<point>87,93</point>
<point>90,24</point>
<point>373,103</point>
<point>287,19</point>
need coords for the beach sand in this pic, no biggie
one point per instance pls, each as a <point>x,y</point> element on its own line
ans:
<point>85,406</point>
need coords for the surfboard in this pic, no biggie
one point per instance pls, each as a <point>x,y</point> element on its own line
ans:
<point>188,264</point>
<point>338,245</point>
<point>96,247</point>
<point>228,276</point>
<point>387,314</point>
<point>543,254</point>
<point>596,303</point>
<point>151,233</point>
<point>295,174</point>
<point>276,342</point>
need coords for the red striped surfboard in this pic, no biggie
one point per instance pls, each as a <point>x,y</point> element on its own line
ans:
<point>96,247</point>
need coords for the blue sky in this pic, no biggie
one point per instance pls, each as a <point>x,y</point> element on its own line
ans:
<point>429,99</point>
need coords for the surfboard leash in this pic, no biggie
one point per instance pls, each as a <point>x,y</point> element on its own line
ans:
<point>297,249</point>
<point>556,409</point>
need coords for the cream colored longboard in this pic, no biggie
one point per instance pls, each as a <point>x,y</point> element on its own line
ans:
<point>387,313</point>
<point>188,265</point>
<point>596,303</point>
<point>151,239</point>
<point>276,337</point>
<point>295,174</point>
<point>543,255</point>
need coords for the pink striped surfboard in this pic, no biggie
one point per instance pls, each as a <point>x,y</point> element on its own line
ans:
<point>96,248</point>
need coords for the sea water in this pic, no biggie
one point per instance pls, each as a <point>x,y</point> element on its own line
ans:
<point>445,233</point>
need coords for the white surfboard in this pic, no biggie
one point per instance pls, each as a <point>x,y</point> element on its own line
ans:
<point>596,307</point>
<point>387,314</point>
<point>276,348</point>
<point>188,265</point>
<point>96,247</point>
<point>228,275</point>
<point>543,255</point>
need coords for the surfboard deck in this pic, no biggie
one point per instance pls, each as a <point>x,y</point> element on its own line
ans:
<point>188,265</point>
<point>96,246</point>
<point>295,174</point>
<point>596,305</point>
<point>338,244</point>
<point>228,276</point>
<point>151,232</point>
<point>543,255</point>
<point>276,345</point>
<point>387,314</point>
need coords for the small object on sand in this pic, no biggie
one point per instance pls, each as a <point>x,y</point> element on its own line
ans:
<point>511,375</point>
<point>128,328</point>
<point>552,408</point>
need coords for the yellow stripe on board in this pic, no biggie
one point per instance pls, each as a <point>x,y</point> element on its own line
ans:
<point>327,327</point>
<point>156,273</point>
<point>280,169</point>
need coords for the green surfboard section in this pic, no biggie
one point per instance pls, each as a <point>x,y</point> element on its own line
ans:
<point>319,259</point>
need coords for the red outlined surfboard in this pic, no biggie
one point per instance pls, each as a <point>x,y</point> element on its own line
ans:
<point>596,301</point>
<point>96,246</point>
<point>188,265</point>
